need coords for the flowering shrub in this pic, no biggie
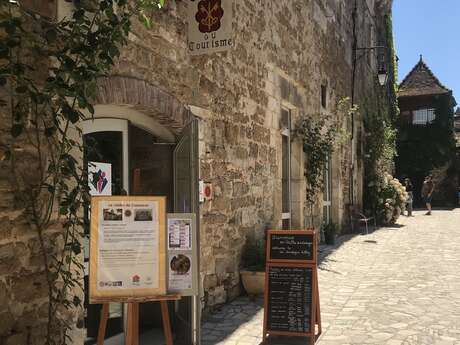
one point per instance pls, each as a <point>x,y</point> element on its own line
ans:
<point>391,198</point>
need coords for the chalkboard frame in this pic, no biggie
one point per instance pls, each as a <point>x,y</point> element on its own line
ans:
<point>314,301</point>
<point>311,233</point>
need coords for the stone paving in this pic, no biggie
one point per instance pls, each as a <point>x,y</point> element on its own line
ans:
<point>396,286</point>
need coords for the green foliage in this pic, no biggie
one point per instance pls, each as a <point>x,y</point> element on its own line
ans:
<point>253,255</point>
<point>319,134</point>
<point>424,148</point>
<point>381,133</point>
<point>390,198</point>
<point>49,70</point>
<point>393,69</point>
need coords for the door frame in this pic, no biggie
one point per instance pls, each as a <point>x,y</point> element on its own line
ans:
<point>103,122</point>
<point>107,124</point>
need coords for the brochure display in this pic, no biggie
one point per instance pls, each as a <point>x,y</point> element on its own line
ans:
<point>127,255</point>
<point>182,260</point>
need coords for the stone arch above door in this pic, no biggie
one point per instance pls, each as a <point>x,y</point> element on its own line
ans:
<point>143,97</point>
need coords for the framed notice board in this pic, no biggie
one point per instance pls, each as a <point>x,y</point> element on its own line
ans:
<point>293,245</point>
<point>291,303</point>
<point>182,257</point>
<point>127,248</point>
<point>291,299</point>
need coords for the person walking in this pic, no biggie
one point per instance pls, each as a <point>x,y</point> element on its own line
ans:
<point>427,192</point>
<point>410,192</point>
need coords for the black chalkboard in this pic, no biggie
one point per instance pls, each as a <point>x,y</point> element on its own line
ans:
<point>290,298</point>
<point>291,246</point>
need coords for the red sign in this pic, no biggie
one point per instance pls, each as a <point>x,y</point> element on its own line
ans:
<point>209,15</point>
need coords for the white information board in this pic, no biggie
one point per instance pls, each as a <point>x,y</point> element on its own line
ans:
<point>127,256</point>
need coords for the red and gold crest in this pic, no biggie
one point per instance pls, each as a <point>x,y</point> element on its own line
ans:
<point>209,15</point>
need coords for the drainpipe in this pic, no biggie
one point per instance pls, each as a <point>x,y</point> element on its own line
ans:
<point>353,81</point>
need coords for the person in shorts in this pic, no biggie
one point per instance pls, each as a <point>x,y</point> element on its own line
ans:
<point>410,193</point>
<point>427,192</point>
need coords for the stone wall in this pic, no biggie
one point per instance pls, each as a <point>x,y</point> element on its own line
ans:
<point>285,51</point>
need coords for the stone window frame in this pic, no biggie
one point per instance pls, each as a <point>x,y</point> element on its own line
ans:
<point>285,131</point>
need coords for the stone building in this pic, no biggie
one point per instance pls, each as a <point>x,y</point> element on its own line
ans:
<point>226,119</point>
<point>426,139</point>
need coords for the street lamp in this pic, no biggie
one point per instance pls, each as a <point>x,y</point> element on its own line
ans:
<point>382,75</point>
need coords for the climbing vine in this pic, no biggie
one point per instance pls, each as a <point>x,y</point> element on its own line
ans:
<point>48,73</point>
<point>393,69</point>
<point>319,135</point>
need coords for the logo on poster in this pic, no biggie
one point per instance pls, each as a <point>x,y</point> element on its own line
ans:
<point>99,180</point>
<point>136,279</point>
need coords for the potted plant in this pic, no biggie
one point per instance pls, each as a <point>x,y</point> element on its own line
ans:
<point>253,261</point>
<point>330,231</point>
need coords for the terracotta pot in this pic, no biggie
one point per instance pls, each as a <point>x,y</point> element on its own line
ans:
<point>253,282</point>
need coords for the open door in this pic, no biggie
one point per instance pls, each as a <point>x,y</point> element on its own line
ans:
<point>186,200</point>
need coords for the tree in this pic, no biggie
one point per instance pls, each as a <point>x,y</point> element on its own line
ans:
<point>49,71</point>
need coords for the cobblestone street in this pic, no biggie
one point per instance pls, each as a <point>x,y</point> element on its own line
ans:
<point>396,286</point>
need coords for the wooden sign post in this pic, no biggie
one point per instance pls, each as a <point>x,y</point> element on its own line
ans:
<point>291,305</point>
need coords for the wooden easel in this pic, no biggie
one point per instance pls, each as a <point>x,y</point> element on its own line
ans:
<point>311,262</point>
<point>132,329</point>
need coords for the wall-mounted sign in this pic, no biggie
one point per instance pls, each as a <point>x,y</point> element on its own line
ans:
<point>182,254</point>
<point>127,255</point>
<point>100,178</point>
<point>209,26</point>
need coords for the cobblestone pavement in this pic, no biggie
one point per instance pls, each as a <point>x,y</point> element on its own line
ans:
<point>395,286</point>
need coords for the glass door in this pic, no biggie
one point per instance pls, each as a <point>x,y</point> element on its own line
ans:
<point>106,144</point>
<point>186,201</point>
<point>327,192</point>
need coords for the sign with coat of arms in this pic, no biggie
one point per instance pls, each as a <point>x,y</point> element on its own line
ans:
<point>209,26</point>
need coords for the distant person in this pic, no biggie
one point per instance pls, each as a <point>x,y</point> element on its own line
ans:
<point>427,192</point>
<point>410,193</point>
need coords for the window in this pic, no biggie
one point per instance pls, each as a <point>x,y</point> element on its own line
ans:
<point>423,116</point>
<point>286,168</point>
<point>324,96</point>
<point>327,191</point>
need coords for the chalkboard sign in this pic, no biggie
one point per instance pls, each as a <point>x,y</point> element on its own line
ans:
<point>290,299</point>
<point>291,245</point>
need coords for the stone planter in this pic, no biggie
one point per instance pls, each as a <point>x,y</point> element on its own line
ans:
<point>253,282</point>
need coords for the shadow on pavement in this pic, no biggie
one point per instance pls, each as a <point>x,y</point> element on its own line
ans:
<point>240,318</point>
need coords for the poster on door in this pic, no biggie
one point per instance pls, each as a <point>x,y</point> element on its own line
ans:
<point>182,254</point>
<point>127,257</point>
<point>99,178</point>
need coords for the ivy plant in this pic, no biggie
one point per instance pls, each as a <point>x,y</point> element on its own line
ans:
<point>320,134</point>
<point>48,70</point>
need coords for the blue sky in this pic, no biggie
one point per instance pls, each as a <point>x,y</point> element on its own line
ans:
<point>430,28</point>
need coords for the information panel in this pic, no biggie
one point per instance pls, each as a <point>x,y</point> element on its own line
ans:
<point>291,302</point>
<point>127,255</point>
<point>290,306</point>
<point>182,258</point>
<point>291,245</point>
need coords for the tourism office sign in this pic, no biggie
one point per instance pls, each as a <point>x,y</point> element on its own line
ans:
<point>209,26</point>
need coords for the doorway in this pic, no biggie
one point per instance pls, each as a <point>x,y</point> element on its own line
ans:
<point>142,163</point>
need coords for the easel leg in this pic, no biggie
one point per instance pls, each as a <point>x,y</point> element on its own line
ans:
<point>103,324</point>
<point>132,332</point>
<point>166,322</point>
<point>318,308</point>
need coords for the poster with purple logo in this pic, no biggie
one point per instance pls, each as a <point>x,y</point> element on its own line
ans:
<point>100,178</point>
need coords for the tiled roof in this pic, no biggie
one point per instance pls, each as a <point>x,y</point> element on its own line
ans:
<point>421,81</point>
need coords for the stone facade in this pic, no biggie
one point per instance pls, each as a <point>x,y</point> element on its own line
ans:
<point>285,52</point>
